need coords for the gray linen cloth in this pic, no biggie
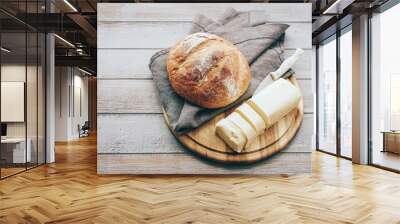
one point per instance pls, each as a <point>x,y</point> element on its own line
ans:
<point>261,43</point>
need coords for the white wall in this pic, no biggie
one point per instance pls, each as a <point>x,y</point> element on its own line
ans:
<point>33,126</point>
<point>69,81</point>
<point>80,84</point>
<point>62,82</point>
<point>17,73</point>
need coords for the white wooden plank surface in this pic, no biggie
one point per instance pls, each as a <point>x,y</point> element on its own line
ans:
<point>188,164</point>
<point>148,34</point>
<point>141,96</point>
<point>127,96</point>
<point>185,12</point>
<point>148,133</point>
<point>124,63</point>
<point>135,133</point>
<point>133,63</point>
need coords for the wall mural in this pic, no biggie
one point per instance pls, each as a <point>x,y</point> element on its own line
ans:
<point>228,88</point>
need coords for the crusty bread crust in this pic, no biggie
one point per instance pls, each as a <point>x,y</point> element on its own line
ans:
<point>208,70</point>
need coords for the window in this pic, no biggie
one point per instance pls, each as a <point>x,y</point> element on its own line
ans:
<point>327,96</point>
<point>346,93</point>
<point>394,115</point>
<point>333,137</point>
<point>385,89</point>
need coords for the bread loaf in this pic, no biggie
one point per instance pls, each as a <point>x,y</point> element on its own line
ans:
<point>207,70</point>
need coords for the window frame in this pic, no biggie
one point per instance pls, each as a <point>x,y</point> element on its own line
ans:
<point>334,37</point>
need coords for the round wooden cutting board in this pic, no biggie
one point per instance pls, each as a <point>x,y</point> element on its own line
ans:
<point>206,143</point>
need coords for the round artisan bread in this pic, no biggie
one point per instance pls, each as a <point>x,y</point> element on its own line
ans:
<point>207,70</point>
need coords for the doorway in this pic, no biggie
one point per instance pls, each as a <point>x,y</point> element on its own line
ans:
<point>75,104</point>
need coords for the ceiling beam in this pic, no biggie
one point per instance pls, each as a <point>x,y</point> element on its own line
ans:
<point>86,27</point>
<point>82,61</point>
<point>337,7</point>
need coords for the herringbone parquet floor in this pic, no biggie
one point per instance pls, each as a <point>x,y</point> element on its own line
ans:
<point>70,191</point>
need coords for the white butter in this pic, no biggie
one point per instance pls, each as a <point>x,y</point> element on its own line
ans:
<point>251,116</point>
<point>263,110</point>
<point>276,101</point>
<point>244,125</point>
<point>231,134</point>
